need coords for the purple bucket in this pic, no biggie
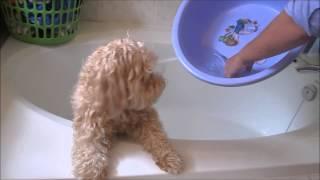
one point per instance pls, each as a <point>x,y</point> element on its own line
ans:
<point>197,31</point>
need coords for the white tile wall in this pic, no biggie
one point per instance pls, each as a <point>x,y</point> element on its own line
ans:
<point>156,14</point>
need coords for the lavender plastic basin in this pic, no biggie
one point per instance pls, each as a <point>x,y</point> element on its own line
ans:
<point>199,23</point>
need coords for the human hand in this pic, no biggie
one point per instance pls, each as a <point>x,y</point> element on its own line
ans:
<point>236,65</point>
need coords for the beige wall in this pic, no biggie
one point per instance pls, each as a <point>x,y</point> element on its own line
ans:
<point>156,14</point>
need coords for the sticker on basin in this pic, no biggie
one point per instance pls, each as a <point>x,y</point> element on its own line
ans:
<point>244,26</point>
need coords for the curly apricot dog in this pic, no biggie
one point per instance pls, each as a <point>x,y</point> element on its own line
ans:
<point>114,94</point>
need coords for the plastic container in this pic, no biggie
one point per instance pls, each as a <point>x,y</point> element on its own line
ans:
<point>44,22</point>
<point>198,34</point>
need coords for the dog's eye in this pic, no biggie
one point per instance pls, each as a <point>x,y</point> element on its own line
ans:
<point>148,68</point>
<point>149,71</point>
<point>146,77</point>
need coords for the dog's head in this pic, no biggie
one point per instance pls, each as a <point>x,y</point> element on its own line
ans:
<point>125,75</point>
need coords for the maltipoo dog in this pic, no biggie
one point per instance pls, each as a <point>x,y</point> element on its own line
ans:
<point>114,95</point>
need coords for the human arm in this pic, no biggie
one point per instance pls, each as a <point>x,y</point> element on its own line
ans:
<point>280,35</point>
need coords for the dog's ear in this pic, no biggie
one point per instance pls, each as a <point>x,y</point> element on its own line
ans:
<point>113,90</point>
<point>104,83</point>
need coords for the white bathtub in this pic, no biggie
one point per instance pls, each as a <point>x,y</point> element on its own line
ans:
<point>261,130</point>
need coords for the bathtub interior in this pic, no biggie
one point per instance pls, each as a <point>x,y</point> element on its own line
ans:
<point>189,109</point>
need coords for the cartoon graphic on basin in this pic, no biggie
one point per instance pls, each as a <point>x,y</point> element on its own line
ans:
<point>244,26</point>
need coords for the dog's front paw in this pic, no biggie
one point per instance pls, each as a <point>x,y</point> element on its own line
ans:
<point>90,167</point>
<point>91,173</point>
<point>171,163</point>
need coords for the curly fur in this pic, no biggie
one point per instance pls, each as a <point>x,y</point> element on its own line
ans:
<point>114,94</point>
